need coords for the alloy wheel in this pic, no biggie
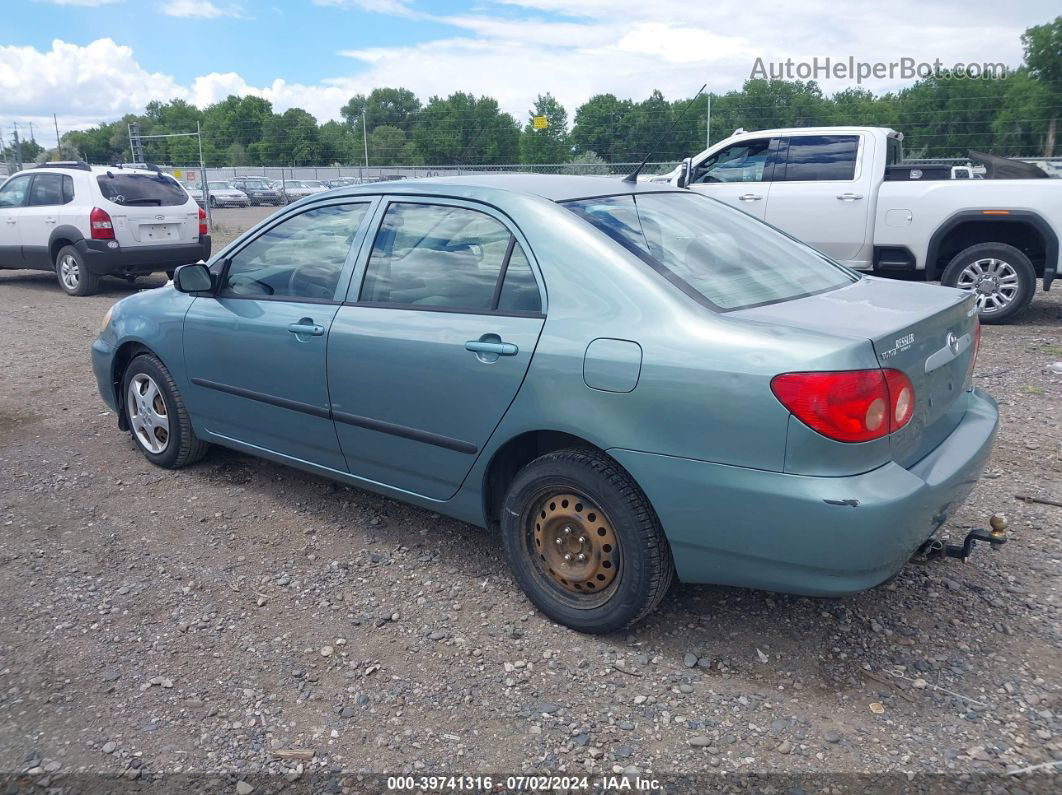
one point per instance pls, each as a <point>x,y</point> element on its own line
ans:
<point>147,413</point>
<point>69,272</point>
<point>994,282</point>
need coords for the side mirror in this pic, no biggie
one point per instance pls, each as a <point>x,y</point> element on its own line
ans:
<point>683,178</point>
<point>193,279</point>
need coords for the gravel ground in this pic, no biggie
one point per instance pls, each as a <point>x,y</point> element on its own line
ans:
<point>158,624</point>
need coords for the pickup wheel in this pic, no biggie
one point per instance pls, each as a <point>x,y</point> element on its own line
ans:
<point>584,543</point>
<point>1001,276</point>
<point>74,277</point>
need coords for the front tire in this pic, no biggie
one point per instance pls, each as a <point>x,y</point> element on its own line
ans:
<point>1000,276</point>
<point>74,277</point>
<point>157,418</point>
<point>584,543</point>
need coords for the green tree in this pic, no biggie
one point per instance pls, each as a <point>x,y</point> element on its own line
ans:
<point>601,126</point>
<point>387,146</point>
<point>463,129</point>
<point>1043,57</point>
<point>550,145</point>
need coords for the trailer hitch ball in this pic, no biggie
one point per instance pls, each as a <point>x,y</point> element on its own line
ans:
<point>998,523</point>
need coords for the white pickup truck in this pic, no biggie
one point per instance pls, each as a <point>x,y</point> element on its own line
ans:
<point>845,191</point>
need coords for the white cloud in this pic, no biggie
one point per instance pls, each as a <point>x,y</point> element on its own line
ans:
<point>198,9</point>
<point>399,7</point>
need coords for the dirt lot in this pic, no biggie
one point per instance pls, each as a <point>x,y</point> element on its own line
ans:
<point>158,624</point>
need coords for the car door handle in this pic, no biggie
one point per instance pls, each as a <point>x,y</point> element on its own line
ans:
<point>499,348</point>
<point>849,197</point>
<point>306,326</point>
<point>750,197</point>
<point>49,220</point>
<point>12,221</point>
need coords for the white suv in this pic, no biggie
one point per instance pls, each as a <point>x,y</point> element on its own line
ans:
<point>86,221</point>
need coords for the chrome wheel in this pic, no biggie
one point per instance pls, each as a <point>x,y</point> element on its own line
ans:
<point>575,546</point>
<point>147,413</point>
<point>69,272</point>
<point>994,282</point>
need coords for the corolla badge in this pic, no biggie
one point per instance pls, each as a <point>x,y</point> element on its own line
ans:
<point>899,346</point>
<point>953,343</point>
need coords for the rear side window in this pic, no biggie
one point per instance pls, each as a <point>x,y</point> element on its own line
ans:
<point>439,256</point>
<point>815,158</point>
<point>716,254</point>
<point>144,190</point>
<point>51,189</point>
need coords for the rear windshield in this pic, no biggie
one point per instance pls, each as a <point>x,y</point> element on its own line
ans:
<point>716,254</point>
<point>146,190</point>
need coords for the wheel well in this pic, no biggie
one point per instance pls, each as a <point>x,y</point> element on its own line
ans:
<point>125,354</point>
<point>58,243</point>
<point>1023,235</point>
<point>512,456</point>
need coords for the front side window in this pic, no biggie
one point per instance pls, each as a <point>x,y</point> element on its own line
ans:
<point>13,192</point>
<point>743,162</point>
<point>144,190</point>
<point>716,254</point>
<point>821,158</point>
<point>48,189</point>
<point>433,255</point>
<point>300,258</point>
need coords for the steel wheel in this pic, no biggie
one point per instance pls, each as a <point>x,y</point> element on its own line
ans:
<point>574,547</point>
<point>147,413</point>
<point>993,281</point>
<point>69,272</point>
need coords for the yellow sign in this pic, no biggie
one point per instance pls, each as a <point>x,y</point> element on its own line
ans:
<point>539,122</point>
<point>177,173</point>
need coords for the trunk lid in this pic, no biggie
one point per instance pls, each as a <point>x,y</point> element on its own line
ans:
<point>926,332</point>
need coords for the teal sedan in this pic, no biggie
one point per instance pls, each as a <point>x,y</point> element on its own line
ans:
<point>628,382</point>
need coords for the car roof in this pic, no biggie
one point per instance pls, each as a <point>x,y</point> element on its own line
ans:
<point>488,187</point>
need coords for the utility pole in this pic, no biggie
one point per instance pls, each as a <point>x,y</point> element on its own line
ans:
<point>18,150</point>
<point>365,132</point>
<point>31,133</point>
<point>58,139</point>
<point>203,178</point>
<point>708,124</point>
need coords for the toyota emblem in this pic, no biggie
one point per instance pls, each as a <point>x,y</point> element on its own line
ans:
<point>953,342</point>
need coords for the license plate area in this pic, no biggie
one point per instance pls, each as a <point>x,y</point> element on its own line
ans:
<point>160,232</point>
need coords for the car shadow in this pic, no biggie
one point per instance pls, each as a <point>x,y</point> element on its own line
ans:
<point>39,281</point>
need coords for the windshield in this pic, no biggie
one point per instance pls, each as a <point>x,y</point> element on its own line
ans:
<point>716,254</point>
<point>292,183</point>
<point>312,184</point>
<point>219,186</point>
<point>157,190</point>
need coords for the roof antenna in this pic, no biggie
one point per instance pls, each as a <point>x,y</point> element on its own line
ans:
<point>633,176</point>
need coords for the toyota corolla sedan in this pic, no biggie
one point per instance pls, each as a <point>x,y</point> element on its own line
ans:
<point>628,382</point>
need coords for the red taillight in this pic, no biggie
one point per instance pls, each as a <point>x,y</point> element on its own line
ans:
<point>100,224</point>
<point>202,222</point>
<point>848,406</point>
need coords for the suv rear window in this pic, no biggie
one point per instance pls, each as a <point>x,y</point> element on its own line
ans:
<point>717,255</point>
<point>145,190</point>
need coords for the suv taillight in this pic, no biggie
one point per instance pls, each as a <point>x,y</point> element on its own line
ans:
<point>202,222</point>
<point>848,406</point>
<point>100,225</point>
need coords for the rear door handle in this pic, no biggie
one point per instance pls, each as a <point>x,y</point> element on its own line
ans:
<point>849,197</point>
<point>499,348</point>
<point>307,327</point>
<point>749,197</point>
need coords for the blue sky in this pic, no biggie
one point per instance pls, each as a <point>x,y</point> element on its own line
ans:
<point>93,60</point>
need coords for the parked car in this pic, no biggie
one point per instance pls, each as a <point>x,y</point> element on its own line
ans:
<point>299,188</point>
<point>342,182</point>
<point>847,192</point>
<point>627,381</point>
<point>222,194</point>
<point>196,193</point>
<point>84,222</point>
<point>258,190</point>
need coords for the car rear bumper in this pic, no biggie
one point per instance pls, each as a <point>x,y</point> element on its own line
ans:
<point>818,536</point>
<point>104,260</point>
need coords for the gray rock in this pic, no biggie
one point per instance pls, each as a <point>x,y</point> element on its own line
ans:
<point>623,752</point>
<point>243,788</point>
<point>700,741</point>
<point>690,660</point>
<point>346,712</point>
<point>109,747</point>
<point>832,736</point>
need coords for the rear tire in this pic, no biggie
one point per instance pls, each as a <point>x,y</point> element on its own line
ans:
<point>157,417</point>
<point>74,277</point>
<point>584,543</point>
<point>1000,276</point>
